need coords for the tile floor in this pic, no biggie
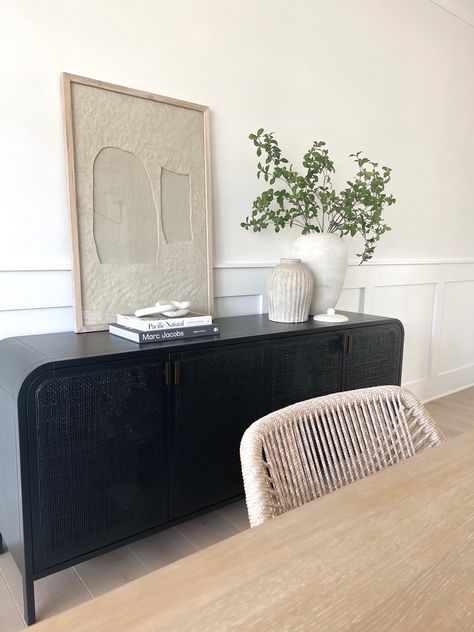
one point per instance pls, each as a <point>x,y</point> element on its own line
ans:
<point>453,413</point>
<point>90,579</point>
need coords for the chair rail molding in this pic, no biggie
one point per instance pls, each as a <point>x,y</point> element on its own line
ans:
<point>434,298</point>
<point>351,262</point>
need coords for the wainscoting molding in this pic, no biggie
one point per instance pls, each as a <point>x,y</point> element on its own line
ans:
<point>433,298</point>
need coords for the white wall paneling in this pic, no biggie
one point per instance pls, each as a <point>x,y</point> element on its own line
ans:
<point>239,305</point>
<point>439,344</point>
<point>457,322</point>
<point>34,289</point>
<point>433,299</point>
<point>35,301</point>
<point>352,299</point>
<point>18,322</point>
<point>413,305</point>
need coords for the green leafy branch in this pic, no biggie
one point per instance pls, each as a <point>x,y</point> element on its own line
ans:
<point>310,202</point>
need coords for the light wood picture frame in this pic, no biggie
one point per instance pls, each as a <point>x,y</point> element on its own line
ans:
<point>139,184</point>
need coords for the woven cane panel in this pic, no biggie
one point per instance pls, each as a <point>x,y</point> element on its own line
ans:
<point>374,357</point>
<point>99,458</point>
<point>305,368</point>
<point>312,448</point>
<point>220,395</point>
<point>326,448</point>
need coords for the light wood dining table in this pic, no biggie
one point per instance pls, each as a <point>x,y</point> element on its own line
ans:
<point>394,551</point>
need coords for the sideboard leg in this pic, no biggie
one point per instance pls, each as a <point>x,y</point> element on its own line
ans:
<point>2,546</point>
<point>29,600</point>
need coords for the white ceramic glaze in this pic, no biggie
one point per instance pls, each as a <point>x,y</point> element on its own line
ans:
<point>150,311</point>
<point>175,313</point>
<point>331,317</point>
<point>167,308</point>
<point>325,255</point>
<point>289,289</point>
<point>181,304</point>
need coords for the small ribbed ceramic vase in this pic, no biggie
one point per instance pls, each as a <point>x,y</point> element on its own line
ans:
<point>289,289</point>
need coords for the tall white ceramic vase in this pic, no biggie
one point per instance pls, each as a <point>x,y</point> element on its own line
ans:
<point>325,255</point>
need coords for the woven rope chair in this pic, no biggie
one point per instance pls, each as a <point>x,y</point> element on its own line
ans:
<point>307,450</point>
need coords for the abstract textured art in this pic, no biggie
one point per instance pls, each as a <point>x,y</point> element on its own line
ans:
<point>138,170</point>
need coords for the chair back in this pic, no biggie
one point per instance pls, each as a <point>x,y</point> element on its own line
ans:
<point>309,449</point>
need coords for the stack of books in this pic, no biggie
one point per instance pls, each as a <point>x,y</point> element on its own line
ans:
<point>162,328</point>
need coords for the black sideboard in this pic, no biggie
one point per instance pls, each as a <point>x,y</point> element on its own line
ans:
<point>104,441</point>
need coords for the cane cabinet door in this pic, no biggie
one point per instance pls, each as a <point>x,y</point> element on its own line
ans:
<point>98,457</point>
<point>373,356</point>
<point>305,367</point>
<point>217,394</point>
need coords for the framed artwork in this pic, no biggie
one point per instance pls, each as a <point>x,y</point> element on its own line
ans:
<point>139,191</point>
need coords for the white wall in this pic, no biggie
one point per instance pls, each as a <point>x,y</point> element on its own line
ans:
<point>391,78</point>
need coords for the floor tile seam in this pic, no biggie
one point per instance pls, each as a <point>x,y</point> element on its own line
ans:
<point>229,521</point>
<point>198,548</point>
<point>139,559</point>
<point>2,575</point>
<point>82,581</point>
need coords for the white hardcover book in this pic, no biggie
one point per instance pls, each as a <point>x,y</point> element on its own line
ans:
<point>155,323</point>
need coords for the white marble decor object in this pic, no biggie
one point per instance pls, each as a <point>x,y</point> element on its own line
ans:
<point>331,317</point>
<point>175,313</point>
<point>289,289</point>
<point>325,255</point>
<point>171,309</point>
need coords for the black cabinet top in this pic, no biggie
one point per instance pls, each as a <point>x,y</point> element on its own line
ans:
<point>25,356</point>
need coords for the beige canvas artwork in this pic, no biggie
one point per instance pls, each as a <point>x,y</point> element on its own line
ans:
<point>140,213</point>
